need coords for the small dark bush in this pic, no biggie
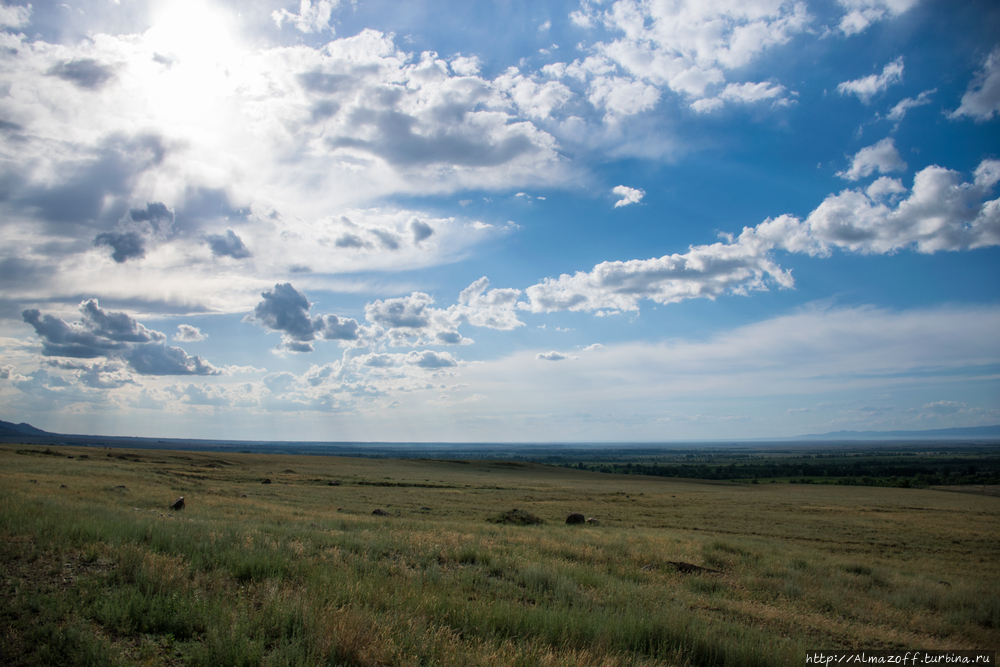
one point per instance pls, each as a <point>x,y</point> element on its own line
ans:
<point>516,518</point>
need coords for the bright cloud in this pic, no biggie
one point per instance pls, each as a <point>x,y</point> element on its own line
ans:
<point>863,13</point>
<point>867,87</point>
<point>685,47</point>
<point>982,100</point>
<point>189,334</point>
<point>882,157</point>
<point>628,195</point>
<point>311,18</point>
<point>941,213</point>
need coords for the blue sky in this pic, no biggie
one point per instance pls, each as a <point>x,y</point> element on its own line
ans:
<point>499,221</point>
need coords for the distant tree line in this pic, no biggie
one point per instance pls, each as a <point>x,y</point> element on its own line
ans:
<point>913,472</point>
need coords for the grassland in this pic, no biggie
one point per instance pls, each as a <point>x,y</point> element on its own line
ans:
<point>97,570</point>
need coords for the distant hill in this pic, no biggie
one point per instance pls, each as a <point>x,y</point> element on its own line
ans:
<point>932,434</point>
<point>8,428</point>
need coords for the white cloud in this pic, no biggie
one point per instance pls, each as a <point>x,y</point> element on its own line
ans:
<point>744,93</point>
<point>621,96</point>
<point>869,86</point>
<point>982,99</point>
<point>885,187</point>
<point>863,13</point>
<point>465,65</point>
<point>684,46</point>
<point>628,195</point>
<point>267,170</point>
<point>749,93</point>
<point>940,213</point>
<point>494,309</point>
<point>311,18</point>
<point>534,99</point>
<point>898,112</point>
<point>704,271</point>
<point>882,157</point>
<point>189,334</point>
<point>14,16</point>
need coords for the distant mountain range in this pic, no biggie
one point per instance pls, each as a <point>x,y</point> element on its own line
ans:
<point>8,428</point>
<point>932,434</point>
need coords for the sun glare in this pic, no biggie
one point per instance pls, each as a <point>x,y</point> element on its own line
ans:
<point>195,54</point>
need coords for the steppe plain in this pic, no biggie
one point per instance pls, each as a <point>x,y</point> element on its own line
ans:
<point>96,569</point>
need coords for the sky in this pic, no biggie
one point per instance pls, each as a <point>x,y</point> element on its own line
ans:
<point>499,221</point>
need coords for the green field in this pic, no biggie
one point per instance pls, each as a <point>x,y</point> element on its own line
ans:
<point>97,570</point>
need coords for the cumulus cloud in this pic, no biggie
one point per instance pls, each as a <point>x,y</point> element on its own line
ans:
<point>534,98</point>
<point>552,356</point>
<point>431,360</point>
<point>493,309</point>
<point>228,245</point>
<point>189,334</point>
<point>115,336</point>
<point>867,87</point>
<point>863,13</point>
<point>286,310</point>
<point>882,157</point>
<point>940,213</point>
<point>411,320</point>
<point>311,17</point>
<point>704,271</point>
<point>686,47</point>
<point>628,195</point>
<point>982,99</point>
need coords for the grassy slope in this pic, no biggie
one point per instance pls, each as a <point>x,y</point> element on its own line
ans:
<point>300,572</point>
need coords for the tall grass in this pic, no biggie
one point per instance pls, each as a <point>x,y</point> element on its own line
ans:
<point>282,578</point>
